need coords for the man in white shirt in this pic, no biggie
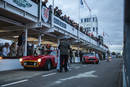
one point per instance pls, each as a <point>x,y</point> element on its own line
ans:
<point>6,50</point>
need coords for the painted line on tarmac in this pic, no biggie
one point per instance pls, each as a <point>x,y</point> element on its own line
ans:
<point>89,74</point>
<point>13,83</point>
<point>48,75</point>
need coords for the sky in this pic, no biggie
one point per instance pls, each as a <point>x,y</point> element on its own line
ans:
<point>109,13</point>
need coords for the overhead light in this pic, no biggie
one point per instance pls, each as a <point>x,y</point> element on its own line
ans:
<point>15,36</point>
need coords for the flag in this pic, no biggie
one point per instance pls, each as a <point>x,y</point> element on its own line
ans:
<point>82,3</point>
<point>86,5</point>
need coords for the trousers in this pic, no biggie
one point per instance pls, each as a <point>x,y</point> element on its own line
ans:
<point>63,62</point>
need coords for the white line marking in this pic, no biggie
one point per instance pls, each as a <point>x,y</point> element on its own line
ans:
<point>81,75</point>
<point>13,83</point>
<point>49,74</point>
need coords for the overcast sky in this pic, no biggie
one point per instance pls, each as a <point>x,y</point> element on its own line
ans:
<point>109,13</point>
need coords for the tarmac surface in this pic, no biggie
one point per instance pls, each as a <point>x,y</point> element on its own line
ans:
<point>104,74</point>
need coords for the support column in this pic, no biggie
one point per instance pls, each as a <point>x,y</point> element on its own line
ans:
<point>58,42</point>
<point>25,45</point>
<point>39,40</point>
<point>58,61</point>
<point>40,8</point>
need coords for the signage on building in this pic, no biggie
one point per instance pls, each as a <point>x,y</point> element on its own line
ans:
<point>25,5</point>
<point>22,3</point>
<point>60,23</point>
<point>45,14</point>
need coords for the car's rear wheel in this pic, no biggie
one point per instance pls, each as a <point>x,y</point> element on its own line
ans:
<point>48,65</point>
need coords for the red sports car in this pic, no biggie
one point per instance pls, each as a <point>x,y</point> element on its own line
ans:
<point>47,61</point>
<point>90,58</point>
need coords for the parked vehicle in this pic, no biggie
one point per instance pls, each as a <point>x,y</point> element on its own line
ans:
<point>90,58</point>
<point>47,61</point>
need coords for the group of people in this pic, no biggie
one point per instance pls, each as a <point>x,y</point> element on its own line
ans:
<point>14,50</point>
<point>58,12</point>
<point>67,55</point>
<point>8,50</point>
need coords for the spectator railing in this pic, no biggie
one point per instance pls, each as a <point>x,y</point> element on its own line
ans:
<point>30,11</point>
<point>71,30</point>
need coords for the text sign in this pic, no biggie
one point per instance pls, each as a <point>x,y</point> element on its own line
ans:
<point>60,23</point>
<point>25,5</point>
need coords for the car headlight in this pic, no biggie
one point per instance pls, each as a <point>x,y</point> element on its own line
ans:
<point>1,58</point>
<point>20,59</point>
<point>39,60</point>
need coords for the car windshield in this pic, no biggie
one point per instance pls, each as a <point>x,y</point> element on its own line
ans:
<point>49,52</point>
<point>89,54</point>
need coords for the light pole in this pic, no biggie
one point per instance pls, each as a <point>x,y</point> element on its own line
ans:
<point>52,15</point>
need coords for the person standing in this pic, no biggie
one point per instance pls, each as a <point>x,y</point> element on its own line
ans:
<point>71,55</point>
<point>6,50</point>
<point>21,43</point>
<point>81,55</point>
<point>64,48</point>
<point>13,49</point>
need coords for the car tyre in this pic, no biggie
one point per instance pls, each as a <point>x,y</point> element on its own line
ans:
<point>47,65</point>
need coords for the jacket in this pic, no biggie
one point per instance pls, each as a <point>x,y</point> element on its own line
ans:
<point>64,48</point>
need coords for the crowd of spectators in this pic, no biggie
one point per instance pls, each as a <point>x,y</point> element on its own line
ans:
<point>58,12</point>
<point>7,50</point>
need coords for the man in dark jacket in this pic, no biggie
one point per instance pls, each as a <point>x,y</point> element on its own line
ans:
<point>64,54</point>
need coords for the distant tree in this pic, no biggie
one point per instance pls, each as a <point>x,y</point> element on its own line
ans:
<point>113,53</point>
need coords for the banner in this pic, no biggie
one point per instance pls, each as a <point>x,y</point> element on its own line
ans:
<point>25,5</point>
<point>45,14</point>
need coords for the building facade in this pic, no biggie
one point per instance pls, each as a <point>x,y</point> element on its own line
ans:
<point>90,25</point>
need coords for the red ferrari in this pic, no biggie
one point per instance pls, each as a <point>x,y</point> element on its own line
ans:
<point>90,58</point>
<point>47,61</point>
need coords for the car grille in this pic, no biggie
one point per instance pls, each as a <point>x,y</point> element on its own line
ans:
<point>91,59</point>
<point>30,63</point>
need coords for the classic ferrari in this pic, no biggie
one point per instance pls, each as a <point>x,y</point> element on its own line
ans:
<point>90,58</point>
<point>46,61</point>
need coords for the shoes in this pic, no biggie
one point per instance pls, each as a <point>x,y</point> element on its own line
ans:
<point>59,70</point>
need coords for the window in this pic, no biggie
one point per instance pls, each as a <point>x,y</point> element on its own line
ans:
<point>81,20</point>
<point>93,28</point>
<point>93,19</point>
<point>96,29</point>
<point>85,20</point>
<point>89,29</point>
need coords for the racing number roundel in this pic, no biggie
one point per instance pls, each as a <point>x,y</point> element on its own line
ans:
<point>45,14</point>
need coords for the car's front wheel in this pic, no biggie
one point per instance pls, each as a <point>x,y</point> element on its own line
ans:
<point>47,65</point>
